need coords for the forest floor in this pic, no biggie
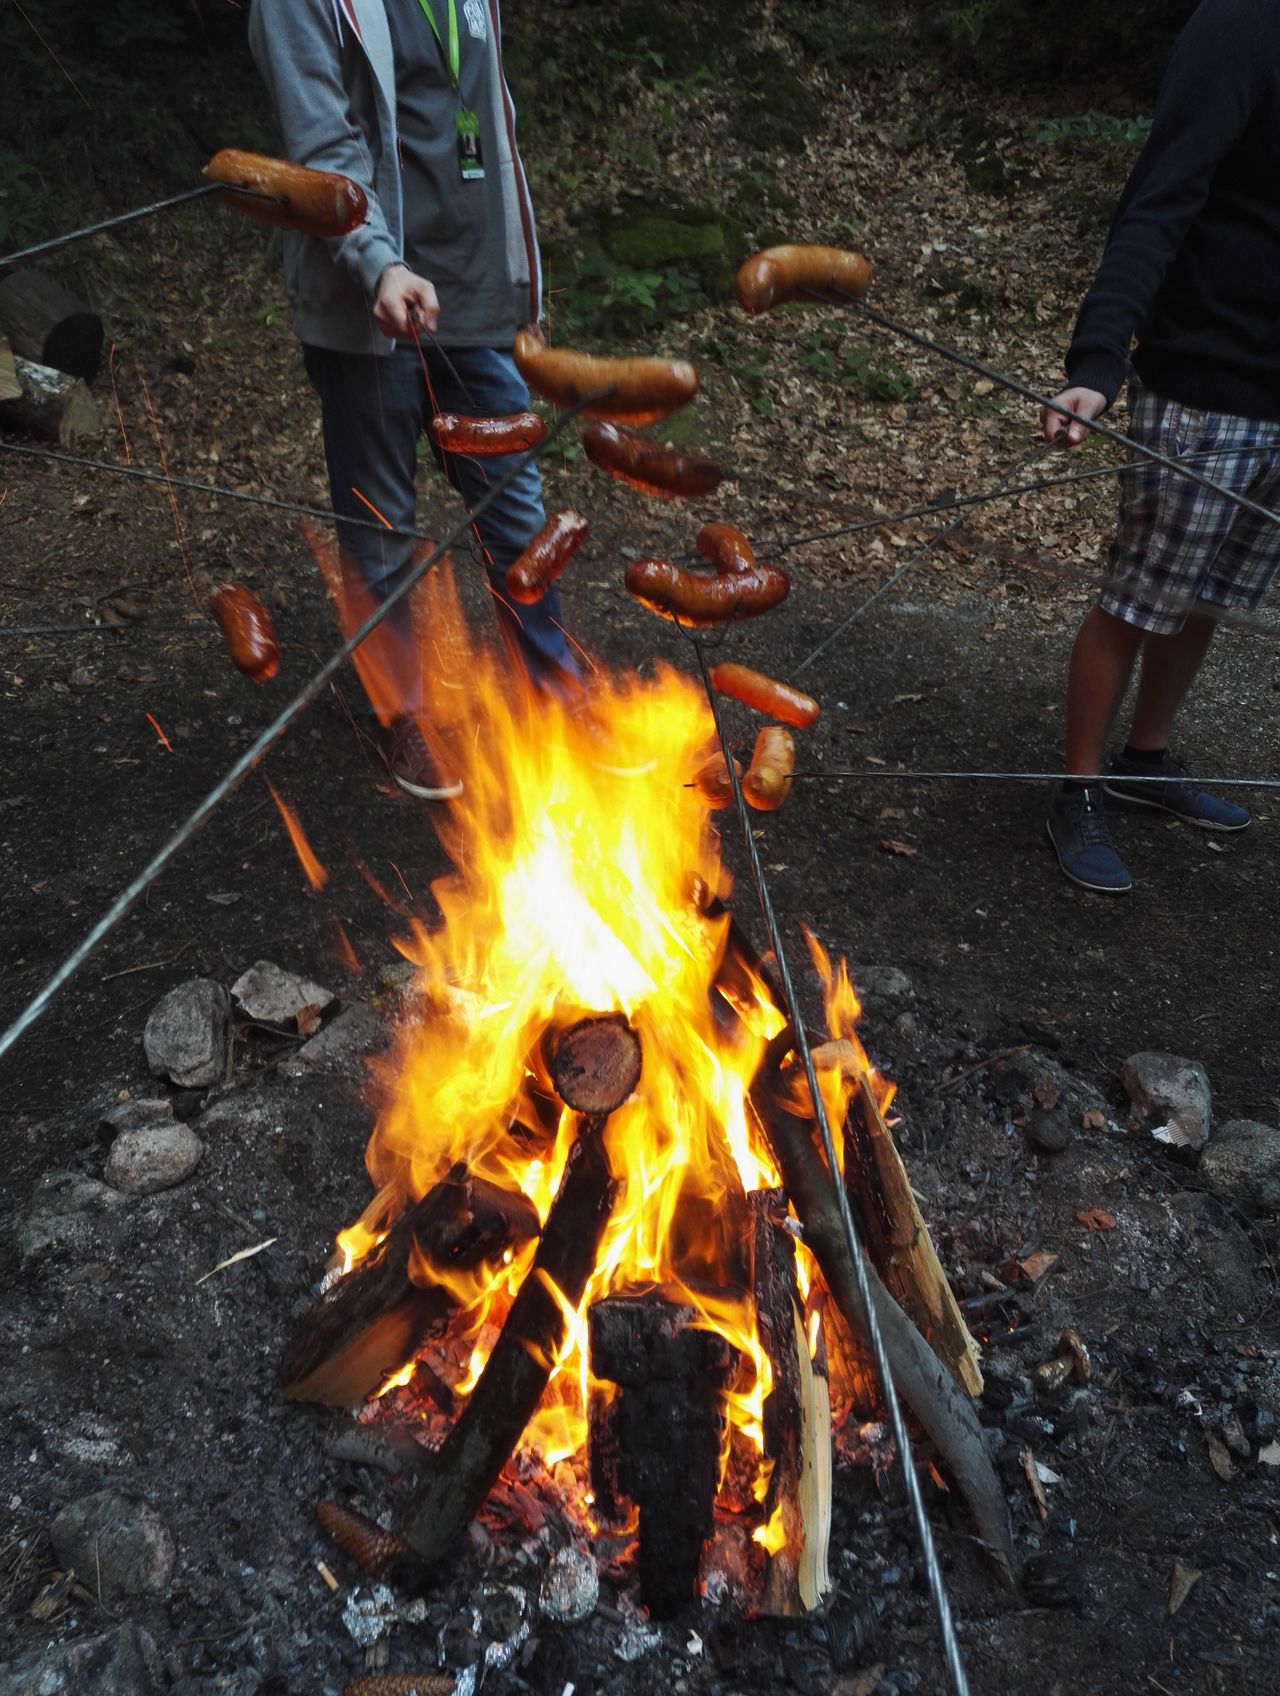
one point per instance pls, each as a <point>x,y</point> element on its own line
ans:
<point>111,735</point>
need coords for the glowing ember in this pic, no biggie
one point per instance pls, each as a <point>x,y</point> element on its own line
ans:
<point>317,876</point>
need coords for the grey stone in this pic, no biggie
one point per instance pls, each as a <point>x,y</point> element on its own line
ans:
<point>188,1034</point>
<point>61,1212</point>
<point>357,1031</point>
<point>119,1546</point>
<point>1242,1165</point>
<point>269,995</point>
<point>123,1662</point>
<point>882,983</point>
<point>134,1115</point>
<point>1049,1129</point>
<point>152,1158</point>
<point>1171,1097</point>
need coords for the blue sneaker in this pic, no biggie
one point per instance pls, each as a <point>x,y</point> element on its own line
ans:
<point>1175,793</point>
<point>1077,827</point>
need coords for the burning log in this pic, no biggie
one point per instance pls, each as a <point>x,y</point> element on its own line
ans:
<point>660,1444</point>
<point>797,1424</point>
<point>373,1319</point>
<point>596,1067</point>
<point>889,1223</point>
<point>924,1383</point>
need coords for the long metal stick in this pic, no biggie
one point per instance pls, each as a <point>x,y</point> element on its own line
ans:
<point>937,1588</point>
<point>134,891</point>
<point>56,242</point>
<point>896,775</point>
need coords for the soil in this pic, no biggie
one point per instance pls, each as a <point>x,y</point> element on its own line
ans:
<point>125,1372</point>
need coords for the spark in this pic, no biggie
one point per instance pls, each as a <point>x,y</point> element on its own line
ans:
<point>173,498</point>
<point>365,501</point>
<point>154,723</point>
<point>49,50</point>
<point>317,876</point>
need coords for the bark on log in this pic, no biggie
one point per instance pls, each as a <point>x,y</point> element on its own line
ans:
<point>50,405</point>
<point>797,1422</point>
<point>664,1433</point>
<point>517,1372</point>
<point>890,1225</point>
<point>927,1386</point>
<point>48,324</point>
<point>372,1320</point>
<point>10,387</point>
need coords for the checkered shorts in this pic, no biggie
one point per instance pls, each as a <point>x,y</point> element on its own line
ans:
<point>1176,543</point>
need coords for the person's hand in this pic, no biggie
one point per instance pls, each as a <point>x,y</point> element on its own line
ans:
<point>404,300</point>
<point>1070,432</point>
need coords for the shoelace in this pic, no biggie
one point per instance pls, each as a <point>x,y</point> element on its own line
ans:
<point>1094,830</point>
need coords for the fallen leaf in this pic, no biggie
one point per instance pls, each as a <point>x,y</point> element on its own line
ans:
<point>308,1020</point>
<point>891,845</point>
<point>887,813</point>
<point>245,1254</point>
<point>1046,1093</point>
<point>899,699</point>
<point>1096,1219</point>
<point>1094,1120</point>
<point>1182,1582</point>
<point>223,897</point>
<point>1036,1265</point>
<point>1032,1475</point>
<point>1219,1459</point>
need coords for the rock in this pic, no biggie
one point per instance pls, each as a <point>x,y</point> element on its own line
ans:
<point>882,983</point>
<point>152,1158</point>
<point>123,1662</point>
<point>135,1115</point>
<point>271,996</point>
<point>1049,1129</point>
<point>1171,1098</point>
<point>119,1546</point>
<point>1242,1165</point>
<point>357,1031</point>
<point>570,1586</point>
<point>60,1212</point>
<point>188,1035</point>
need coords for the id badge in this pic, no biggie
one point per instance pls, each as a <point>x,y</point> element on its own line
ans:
<point>470,158</point>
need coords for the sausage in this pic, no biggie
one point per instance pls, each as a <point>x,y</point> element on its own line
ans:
<point>247,630</point>
<point>479,437</point>
<point>711,780</point>
<point>768,781</point>
<point>780,273</point>
<point>545,558</point>
<point>690,598</point>
<point>766,695</point>
<point>631,391</point>
<point>316,203</point>
<point>649,465</point>
<point>741,588</point>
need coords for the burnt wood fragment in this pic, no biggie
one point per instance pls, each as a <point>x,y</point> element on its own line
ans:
<point>372,1320</point>
<point>662,1438</point>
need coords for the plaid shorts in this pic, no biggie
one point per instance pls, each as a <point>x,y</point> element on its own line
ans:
<point>1175,542</point>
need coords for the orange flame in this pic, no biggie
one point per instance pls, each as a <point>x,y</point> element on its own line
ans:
<point>317,876</point>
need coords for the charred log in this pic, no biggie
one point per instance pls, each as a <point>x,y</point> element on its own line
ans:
<point>373,1319</point>
<point>664,1434</point>
<point>928,1388</point>
<point>797,1423</point>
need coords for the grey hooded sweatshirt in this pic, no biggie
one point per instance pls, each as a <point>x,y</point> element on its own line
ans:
<point>332,67</point>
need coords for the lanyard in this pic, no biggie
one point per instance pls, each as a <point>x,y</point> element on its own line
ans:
<point>451,57</point>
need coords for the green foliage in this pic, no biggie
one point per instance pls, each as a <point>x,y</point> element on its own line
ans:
<point>870,376</point>
<point>653,240</point>
<point>1094,126</point>
<point>859,36</point>
<point>23,214</point>
<point>962,295</point>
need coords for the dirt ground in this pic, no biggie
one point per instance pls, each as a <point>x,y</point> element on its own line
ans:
<point>124,1372</point>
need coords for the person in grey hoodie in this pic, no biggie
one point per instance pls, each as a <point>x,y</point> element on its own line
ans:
<point>416,310</point>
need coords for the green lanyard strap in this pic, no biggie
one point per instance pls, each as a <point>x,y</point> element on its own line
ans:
<point>451,57</point>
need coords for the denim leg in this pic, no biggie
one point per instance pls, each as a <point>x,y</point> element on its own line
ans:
<point>372,415</point>
<point>487,384</point>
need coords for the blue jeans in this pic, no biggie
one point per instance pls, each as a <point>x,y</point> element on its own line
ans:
<point>373,411</point>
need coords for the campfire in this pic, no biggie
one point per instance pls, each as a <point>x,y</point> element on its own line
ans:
<point>594,1159</point>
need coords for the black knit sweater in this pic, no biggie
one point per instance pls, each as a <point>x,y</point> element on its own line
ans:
<point>1192,263</point>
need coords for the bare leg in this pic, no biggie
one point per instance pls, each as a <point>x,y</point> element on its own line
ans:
<point>1169,666</point>
<point>1101,664</point>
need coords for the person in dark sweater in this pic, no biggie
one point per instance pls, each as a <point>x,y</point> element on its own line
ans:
<point>416,310</point>
<point>1191,269</point>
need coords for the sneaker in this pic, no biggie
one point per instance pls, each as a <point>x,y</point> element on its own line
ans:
<point>413,765</point>
<point>1077,827</point>
<point>1174,793</point>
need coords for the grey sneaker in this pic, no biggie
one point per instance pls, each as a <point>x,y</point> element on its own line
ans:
<point>1077,826</point>
<point>413,765</point>
<point>1170,790</point>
